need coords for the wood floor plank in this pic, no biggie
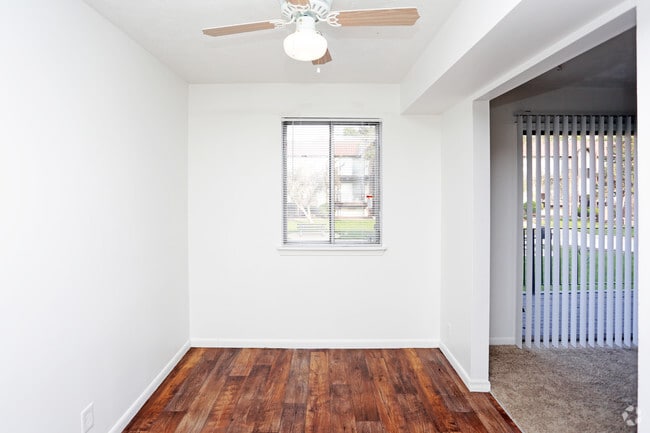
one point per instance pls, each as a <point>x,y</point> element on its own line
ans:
<point>317,391</point>
<point>268,356</point>
<point>270,414</point>
<point>167,422</point>
<point>399,372</point>
<point>389,410</point>
<point>293,418</point>
<point>342,416</point>
<point>199,410</point>
<point>297,388</point>
<point>244,362</point>
<point>415,415</point>
<point>360,379</point>
<point>153,408</point>
<point>469,422</point>
<point>317,417</point>
<point>222,411</point>
<point>448,386</point>
<point>435,404</point>
<point>245,412</point>
<point>191,386</point>
<point>491,414</point>
<point>337,367</point>
<point>370,427</point>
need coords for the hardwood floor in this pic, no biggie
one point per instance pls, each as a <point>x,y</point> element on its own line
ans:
<point>317,391</point>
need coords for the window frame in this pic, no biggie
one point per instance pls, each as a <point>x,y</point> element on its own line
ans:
<point>330,246</point>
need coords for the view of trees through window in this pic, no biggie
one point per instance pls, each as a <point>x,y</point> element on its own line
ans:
<point>331,182</point>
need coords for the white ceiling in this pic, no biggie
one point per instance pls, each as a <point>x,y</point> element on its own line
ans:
<point>171,31</point>
<point>610,64</point>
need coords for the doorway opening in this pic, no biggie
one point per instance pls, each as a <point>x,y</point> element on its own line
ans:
<point>563,212</point>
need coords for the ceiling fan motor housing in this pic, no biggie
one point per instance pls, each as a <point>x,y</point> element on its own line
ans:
<point>321,8</point>
<point>318,9</point>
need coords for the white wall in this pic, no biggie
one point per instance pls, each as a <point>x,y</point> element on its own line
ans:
<point>465,241</point>
<point>506,239</point>
<point>242,291</point>
<point>93,274</point>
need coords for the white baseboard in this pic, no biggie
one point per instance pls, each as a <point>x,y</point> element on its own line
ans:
<point>502,341</point>
<point>315,344</point>
<point>149,390</point>
<point>472,385</point>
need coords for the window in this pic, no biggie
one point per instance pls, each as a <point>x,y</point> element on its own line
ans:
<point>331,174</point>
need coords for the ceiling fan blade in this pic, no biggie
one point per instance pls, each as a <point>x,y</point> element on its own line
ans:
<point>327,57</point>
<point>239,28</point>
<point>378,17</point>
<point>299,2</point>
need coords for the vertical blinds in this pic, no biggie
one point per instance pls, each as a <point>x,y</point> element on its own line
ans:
<point>331,182</point>
<point>579,225</point>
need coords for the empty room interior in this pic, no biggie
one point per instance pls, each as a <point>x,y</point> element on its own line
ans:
<point>180,188</point>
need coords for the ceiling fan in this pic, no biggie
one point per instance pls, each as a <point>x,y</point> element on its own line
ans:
<point>307,44</point>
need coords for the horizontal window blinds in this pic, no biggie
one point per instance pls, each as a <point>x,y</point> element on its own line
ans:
<point>331,182</point>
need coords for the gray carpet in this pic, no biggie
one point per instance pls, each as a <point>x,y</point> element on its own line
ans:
<point>566,390</point>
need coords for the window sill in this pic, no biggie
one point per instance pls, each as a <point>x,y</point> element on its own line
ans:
<point>317,250</point>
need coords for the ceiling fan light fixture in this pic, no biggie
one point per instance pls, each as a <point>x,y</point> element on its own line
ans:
<point>305,44</point>
<point>308,45</point>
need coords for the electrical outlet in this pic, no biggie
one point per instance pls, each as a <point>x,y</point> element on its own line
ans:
<point>88,418</point>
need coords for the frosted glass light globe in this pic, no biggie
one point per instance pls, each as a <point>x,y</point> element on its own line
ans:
<point>305,44</point>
